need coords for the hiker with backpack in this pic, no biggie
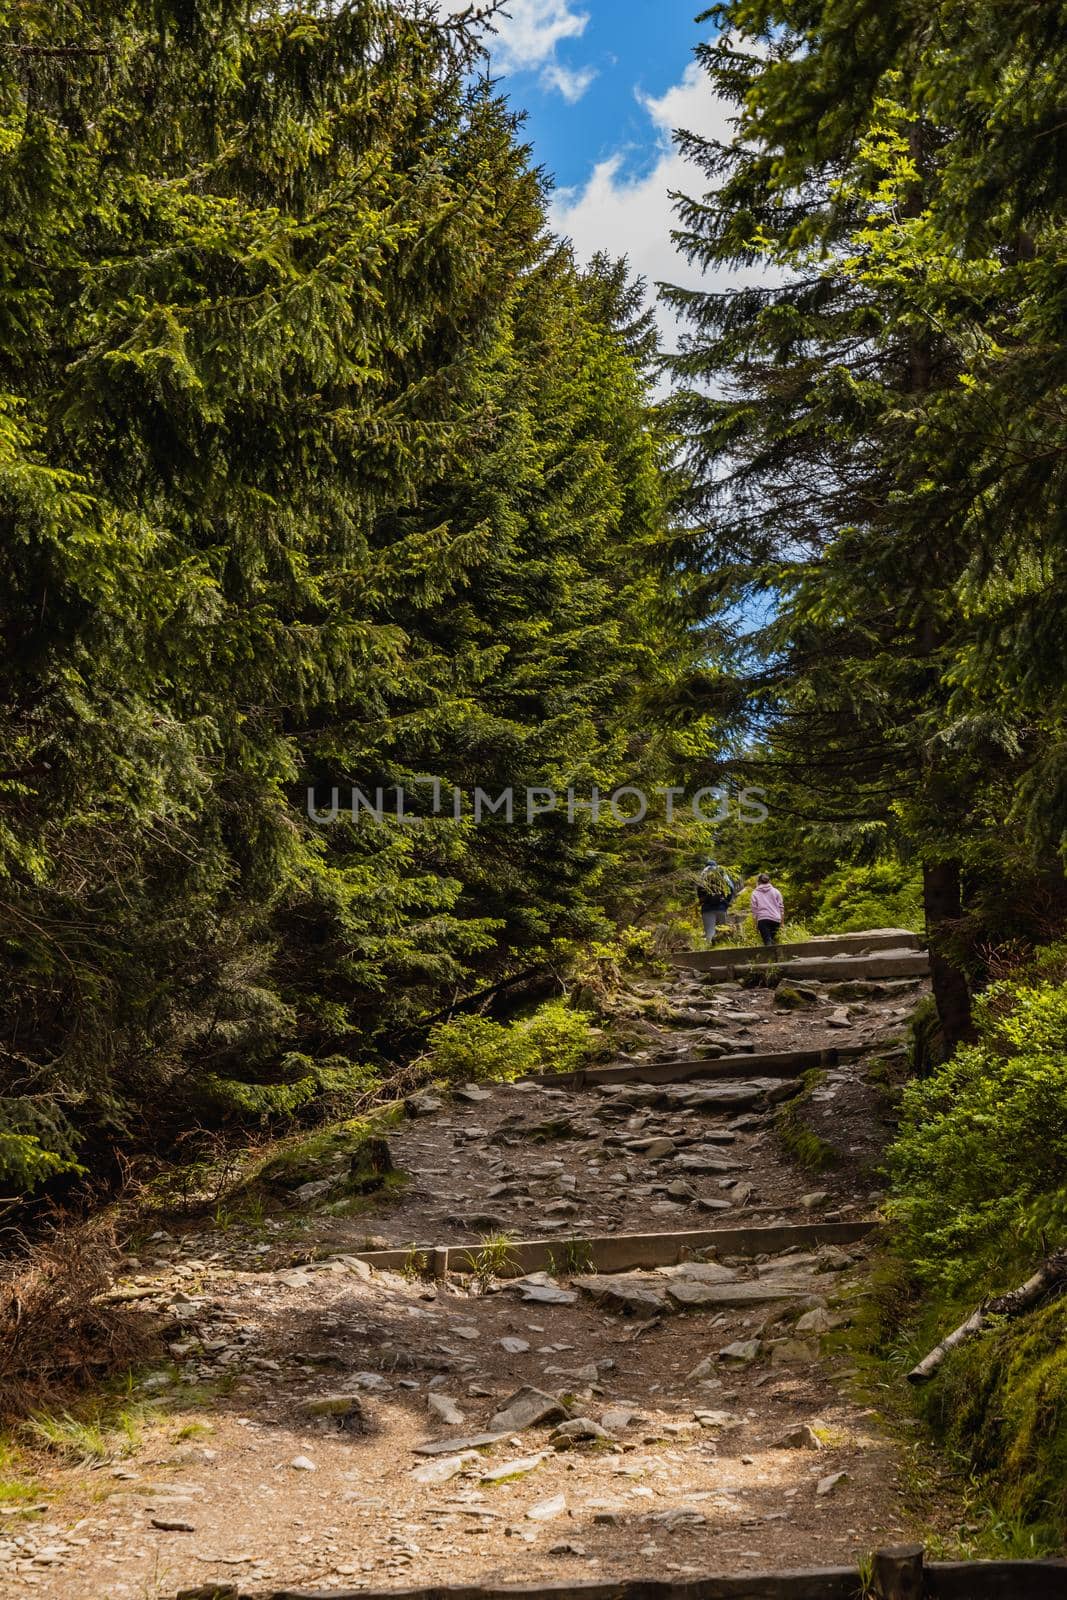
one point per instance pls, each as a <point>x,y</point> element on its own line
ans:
<point>768,909</point>
<point>715,890</point>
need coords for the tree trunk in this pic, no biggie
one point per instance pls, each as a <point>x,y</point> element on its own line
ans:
<point>943,905</point>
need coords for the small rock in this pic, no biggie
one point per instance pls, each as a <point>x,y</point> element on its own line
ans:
<point>514,1347</point>
<point>539,1288</point>
<point>525,1409</point>
<point>566,1549</point>
<point>818,1321</point>
<point>448,1447</point>
<point>618,1418</point>
<point>740,1353</point>
<point>423,1105</point>
<point>812,1201</point>
<point>546,1510</point>
<point>577,1429</point>
<point>303,1464</point>
<point>166,1526</point>
<point>789,1352</point>
<point>716,1419</point>
<point>829,1484</point>
<point>436,1472</point>
<point>445,1409</point>
<point>803,1437</point>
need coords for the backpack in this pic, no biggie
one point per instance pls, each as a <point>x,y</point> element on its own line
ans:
<point>717,884</point>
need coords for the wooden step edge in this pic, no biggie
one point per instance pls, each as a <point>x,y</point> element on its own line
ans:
<point>942,1580</point>
<point>618,1252</point>
<point>770,1064</point>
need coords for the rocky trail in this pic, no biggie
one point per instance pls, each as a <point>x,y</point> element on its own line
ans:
<point>336,1418</point>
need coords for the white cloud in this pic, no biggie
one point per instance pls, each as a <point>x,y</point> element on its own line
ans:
<point>572,82</point>
<point>527,37</point>
<point>633,216</point>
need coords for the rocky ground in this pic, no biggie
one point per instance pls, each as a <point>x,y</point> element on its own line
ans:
<point>324,1425</point>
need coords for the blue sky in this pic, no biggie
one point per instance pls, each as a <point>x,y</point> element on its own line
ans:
<point>604,83</point>
<point>584,98</point>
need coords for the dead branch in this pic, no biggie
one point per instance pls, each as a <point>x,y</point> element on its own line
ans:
<point>1050,1276</point>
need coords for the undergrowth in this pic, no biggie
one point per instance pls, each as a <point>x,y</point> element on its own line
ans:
<point>475,1048</point>
<point>977,1201</point>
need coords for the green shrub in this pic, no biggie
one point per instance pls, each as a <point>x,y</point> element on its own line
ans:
<point>321,1086</point>
<point>978,1200</point>
<point>980,1160</point>
<point>36,1143</point>
<point>886,894</point>
<point>554,1039</point>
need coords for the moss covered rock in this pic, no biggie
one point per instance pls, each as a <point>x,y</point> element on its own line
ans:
<point>790,997</point>
<point>349,1158</point>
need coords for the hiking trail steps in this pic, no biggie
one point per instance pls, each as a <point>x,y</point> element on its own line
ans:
<point>590,1347</point>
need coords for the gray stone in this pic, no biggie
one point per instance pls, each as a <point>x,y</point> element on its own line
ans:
<point>802,1437</point>
<point>828,1484</point>
<point>539,1288</point>
<point>436,1472</point>
<point>525,1409</point>
<point>511,1469</point>
<point>618,1418</point>
<point>793,1352</point>
<point>423,1105</point>
<point>740,1353</point>
<point>547,1510</point>
<point>703,1161</point>
<point>819,1321</point>
<point>688,1293</point>
<point>451,1447</point>
<point>717,1419</point>
<point>578,1428</point>
<point>445,1409</point>
<point>623,1293</point>
<point>700,1272</point>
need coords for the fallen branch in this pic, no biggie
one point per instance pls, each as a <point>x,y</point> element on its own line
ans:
<point>1051,1275</point>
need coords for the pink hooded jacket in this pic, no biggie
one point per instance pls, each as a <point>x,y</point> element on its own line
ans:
<point>767,904</point>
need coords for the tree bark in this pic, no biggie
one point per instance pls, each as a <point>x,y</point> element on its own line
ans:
<point>943,905</point>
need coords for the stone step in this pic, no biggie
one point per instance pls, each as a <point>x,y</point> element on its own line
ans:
<point>619,1252</point>
<point>724,959</point>
<point>770,1064</point>
<point>886,964</point>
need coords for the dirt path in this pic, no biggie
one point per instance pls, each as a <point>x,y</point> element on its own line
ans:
<point>312,1430</point>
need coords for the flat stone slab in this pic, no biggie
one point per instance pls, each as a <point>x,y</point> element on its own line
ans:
<point>691,1294</point>
<point>624,1294</point>
<point>454,1447</point>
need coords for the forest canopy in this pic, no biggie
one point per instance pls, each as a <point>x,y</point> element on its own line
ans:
<point>321,462</point>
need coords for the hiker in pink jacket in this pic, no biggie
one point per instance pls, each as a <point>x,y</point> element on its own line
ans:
<point>768,909</point>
